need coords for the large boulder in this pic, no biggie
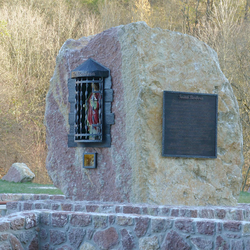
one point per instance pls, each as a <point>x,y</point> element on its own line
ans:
<point>19,172</point>
<point>143,63</point>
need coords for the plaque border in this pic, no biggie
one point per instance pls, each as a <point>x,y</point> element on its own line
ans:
<point>164,124</point>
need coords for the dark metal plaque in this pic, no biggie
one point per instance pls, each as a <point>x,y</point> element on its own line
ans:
<point>189,125</point>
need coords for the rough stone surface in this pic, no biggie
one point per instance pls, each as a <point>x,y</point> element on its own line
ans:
<point>237,245</point>
<point>43,234</point>
<point>141,226</point>
<point>106,239</point>
<point>34,244</point>
<point>57,237</point>
<point>30,220</point>
<point>221,244</point>
<point>80,220</point>
<point>5,246</point>
<point>66,247</point>
<point>100,221</point>
<point>45,219</point>
<point>19,172</point>
<point>12,205</point>
<point>149,243</point>
<point>207,213</point>
<point>202,244</point>
<point>17,224</point>
<point>87,246</point>
<point>147,232</point>
<point>247,245</point>
<point>175,241</point>
<point>27,206</point>
<point>15,243</point>
<point>4,226</point>
<point>4,237</point>
<point>185,226</point>
<point>160,225</point>
<point>76,236</point>
<point>124,221</point>
<point>59,219</point>
<point>127,240</point>
<point>232,226</point>
<point>143,63</point>
<point>206,227</point>
<point>90,233</point>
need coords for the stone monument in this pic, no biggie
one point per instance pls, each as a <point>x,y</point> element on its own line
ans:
<point>143,62</point>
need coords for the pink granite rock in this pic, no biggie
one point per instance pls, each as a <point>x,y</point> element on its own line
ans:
<point>143,62</point>
<point>127,240</point>
<point>19,172</point>
<point>15,243</point>
<point>64,164</point>
<point>106,239</point>
<point>175,241</point>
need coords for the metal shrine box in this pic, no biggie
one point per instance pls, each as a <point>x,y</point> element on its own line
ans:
<point>90,97</point>
<point>189,125</point>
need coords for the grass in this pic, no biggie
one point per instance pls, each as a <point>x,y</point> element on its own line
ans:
<point>33,188</point>
<point>27,187</point>
<point>244,197</point>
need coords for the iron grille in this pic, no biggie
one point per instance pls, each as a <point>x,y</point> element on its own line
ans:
<point>89,109</point>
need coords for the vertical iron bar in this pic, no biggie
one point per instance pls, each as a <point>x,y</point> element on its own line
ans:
<point>100,108</point>
<point>75,127</point>
<point>81,95</point>
<point>78,113</point>
<point>86,110</point>
<point>92,97</point>
<point>76,109</point>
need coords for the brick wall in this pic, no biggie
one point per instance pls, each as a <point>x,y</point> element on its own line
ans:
<point>20,231</point>
<point>58,223</point>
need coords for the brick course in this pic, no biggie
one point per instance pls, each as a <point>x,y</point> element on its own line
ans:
<point>129,231</point>
<point>23,202</point>
<point>121,226</point>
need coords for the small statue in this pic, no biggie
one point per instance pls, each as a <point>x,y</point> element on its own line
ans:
<point>93,103</point>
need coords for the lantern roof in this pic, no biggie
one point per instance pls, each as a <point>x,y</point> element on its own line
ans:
<point>90,68</point>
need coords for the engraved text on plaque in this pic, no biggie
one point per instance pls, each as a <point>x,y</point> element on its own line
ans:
<point>189,125</point>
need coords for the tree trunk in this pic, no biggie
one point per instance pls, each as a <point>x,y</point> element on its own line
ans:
<point>245,181</point>
<point>208,9</point>
<point>246,9</point>
<point>196,17</point>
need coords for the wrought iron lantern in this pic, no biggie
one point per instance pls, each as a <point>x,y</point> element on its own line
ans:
<point>90,97</point>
